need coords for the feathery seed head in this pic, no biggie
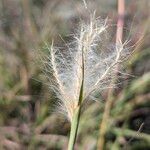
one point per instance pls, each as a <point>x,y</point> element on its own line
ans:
<point>88,61</point>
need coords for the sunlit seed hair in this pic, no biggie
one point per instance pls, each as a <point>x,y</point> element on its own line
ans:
<point>64,68</point>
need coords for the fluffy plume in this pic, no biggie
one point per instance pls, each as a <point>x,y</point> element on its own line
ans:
<point>89,59</point>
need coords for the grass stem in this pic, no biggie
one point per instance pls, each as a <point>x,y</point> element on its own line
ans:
<point>76,116</point>
<point>109,102</point>
<point>74,128</point>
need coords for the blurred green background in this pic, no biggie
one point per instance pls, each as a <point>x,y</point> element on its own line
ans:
<point>27,120</point>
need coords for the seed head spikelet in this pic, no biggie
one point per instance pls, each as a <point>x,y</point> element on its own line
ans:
<point>88,63</point>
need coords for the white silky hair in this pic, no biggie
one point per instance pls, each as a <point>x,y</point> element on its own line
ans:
<point>64,68</point>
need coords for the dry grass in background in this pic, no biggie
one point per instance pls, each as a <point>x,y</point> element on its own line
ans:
<point>26,118</point>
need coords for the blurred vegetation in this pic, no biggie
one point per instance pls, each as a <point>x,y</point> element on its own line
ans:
<point>26,118</point>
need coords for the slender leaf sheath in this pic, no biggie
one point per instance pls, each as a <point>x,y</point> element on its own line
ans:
<point>74,128</point>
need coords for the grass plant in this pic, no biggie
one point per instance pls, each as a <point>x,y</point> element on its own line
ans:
<point>88,67</point>
<point>79,70</point>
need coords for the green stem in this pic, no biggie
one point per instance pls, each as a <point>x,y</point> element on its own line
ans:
<point>74,128</point>
<point>75,120</point>
<point>76,115</point>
